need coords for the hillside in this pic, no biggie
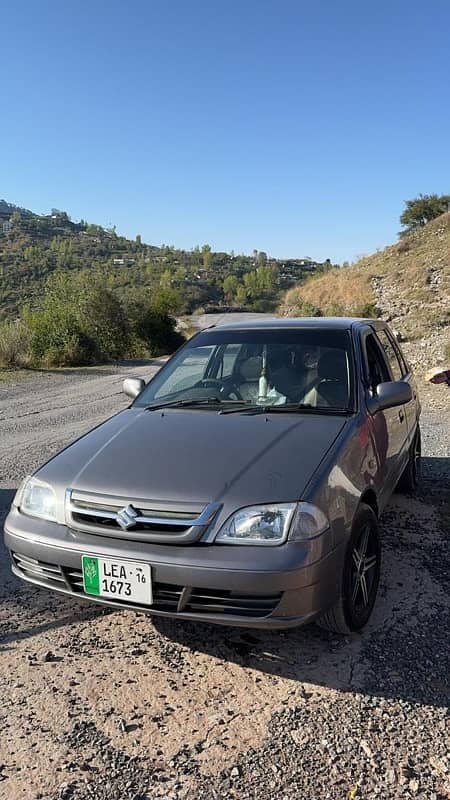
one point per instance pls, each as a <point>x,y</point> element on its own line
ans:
<point>33,246</point>
<point>407,284</point>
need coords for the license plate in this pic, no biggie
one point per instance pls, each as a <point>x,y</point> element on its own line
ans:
<point>130,581</point>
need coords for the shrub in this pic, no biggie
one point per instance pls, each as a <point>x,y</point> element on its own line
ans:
<point>153,331</point>
<point>83,321</point>
<point>301,308</point>
<point>103,321</point>
<point>404,245</point>
<point>369,310</point>
<point>15,344</point>
<point>87,309</point>
<point>57,339</point>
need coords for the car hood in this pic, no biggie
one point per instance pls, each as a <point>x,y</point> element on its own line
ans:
<point>197,456</point>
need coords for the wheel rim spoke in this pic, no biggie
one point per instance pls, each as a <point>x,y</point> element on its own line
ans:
<point>363,544</point>
<point>369,564</point>
<point>364,561</point>
<point>364,590</point>
<point>355,588</point>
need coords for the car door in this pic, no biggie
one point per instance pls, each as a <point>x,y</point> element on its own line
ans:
<point>402,372</point>
<point>389,426</point>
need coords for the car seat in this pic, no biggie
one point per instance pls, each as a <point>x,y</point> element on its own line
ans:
<point>249,374</point>
<point>331,389</point>
<point>284,377</point>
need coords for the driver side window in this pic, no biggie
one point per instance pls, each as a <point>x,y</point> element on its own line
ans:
<point>376,363</point>
<point>191,367</point>
<point>225,365</point>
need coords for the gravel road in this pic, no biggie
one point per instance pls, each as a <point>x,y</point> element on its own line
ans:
<point>110,704</point>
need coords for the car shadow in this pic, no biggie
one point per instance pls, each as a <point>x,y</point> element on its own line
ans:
<point>402,654</point>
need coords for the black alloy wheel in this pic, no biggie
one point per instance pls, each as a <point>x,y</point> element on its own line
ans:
<point>360,576</point>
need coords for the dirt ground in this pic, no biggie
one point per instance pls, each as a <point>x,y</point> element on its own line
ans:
<point>112,704</point>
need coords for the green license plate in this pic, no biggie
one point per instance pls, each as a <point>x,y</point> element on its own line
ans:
<point>130,581</point>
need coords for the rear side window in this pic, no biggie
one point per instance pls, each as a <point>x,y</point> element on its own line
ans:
<point>376,362</point>
<point>391,355</point>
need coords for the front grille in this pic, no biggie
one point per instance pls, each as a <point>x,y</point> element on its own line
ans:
<point>167,597</point>
<point>137,520</point>
<point>215,601</point>
<point>109,525</point>
<point>51,574</point>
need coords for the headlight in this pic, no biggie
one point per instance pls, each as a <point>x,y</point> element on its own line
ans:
<point>267,525</point>
<point>37,499</point>
<point>309,522</point>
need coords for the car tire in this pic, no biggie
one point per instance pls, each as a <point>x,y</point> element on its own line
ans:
<point>360,577</point>
<point>409,479</point>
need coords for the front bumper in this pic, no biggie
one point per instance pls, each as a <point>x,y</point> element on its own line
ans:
<point>258,587</point>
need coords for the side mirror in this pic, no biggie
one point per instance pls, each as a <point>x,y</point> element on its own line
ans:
<point>391,394</point>
<point>133,386</point>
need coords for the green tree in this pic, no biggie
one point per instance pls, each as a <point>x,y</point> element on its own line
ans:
<point>166,279</point>
<point>261,258</point>
<point>423,209</point>
<point>166,300</point>
<point>206,256</point>
<point>241,295</point>
<point>94,230</point>
<point>230,286</point>
<point>180,274</point>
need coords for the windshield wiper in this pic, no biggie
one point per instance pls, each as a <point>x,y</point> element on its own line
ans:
<point>287,408</point>
<point>243,408</point>
<point>197,401</point>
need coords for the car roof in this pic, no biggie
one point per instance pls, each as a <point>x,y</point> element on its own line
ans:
<point>327,323</point>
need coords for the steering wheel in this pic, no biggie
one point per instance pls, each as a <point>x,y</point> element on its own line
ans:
<point>225,386</point>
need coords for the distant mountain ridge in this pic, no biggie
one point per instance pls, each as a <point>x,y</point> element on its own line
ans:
<point>9,209</point>
<point>34,246</point>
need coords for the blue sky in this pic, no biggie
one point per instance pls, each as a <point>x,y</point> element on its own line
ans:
<point>293,127</point>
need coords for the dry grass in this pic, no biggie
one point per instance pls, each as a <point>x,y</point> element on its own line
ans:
<point>339,292</point>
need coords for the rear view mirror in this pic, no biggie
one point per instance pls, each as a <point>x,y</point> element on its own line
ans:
<point>391,394</point>
<point>133,386</point>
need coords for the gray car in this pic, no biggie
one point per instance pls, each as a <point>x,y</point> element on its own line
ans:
<point>242,486</point>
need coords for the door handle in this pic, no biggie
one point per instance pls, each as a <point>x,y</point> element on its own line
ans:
<point>401,415</point>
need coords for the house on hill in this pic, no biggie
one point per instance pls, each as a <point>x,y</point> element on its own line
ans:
<point>292,270</point>
<point>5,218</point>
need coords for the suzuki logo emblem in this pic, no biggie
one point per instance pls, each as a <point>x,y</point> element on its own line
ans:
<point>127,517</point>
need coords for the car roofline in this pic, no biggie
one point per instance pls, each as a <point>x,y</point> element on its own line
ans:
<point>323,323</point>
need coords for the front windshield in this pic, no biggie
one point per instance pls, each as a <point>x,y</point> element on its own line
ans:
<point>271,367</point>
